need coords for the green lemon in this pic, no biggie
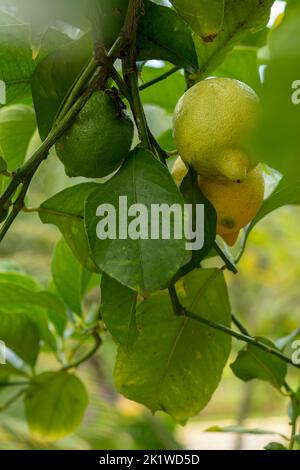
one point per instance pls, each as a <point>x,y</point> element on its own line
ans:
<point>99,139</point>
<point>212,122</point>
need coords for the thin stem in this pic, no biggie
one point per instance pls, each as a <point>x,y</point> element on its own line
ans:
<point>87,356</point>
<point>13,384</point>
<point>180,310</point>
<point>78,88</point>
<point>241,337</point>
<point>229,265</point>
<point>239,325</point>
<point>12,400</point>
<point>160,78</point>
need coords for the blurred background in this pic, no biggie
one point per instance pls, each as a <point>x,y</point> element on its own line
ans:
<point>265,295</point>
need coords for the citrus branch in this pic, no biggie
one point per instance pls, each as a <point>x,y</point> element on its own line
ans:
<point>160,78</point>
<point>181,311</point>
<point>88,355</point>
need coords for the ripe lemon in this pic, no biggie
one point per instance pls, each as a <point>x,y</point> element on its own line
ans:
<point>98,141</point>
<point>212,120</point>
<point>236,204</point>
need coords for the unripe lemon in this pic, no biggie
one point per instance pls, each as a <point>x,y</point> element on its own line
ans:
<point>236,204</point>
<point>212,120</point>
<point>99,139</point>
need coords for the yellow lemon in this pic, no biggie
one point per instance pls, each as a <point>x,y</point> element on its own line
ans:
<point>236,204</point>
<point>212,121</point>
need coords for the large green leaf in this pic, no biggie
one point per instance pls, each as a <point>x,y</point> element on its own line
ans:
<point>69,276</point>
<point>53,78</point>
<point>55,403</point>
<point>66,210</point>
<point>162,35</point>
<point>20,334</point>
<point>176,363</point>
<point>139,261</point>
<point>240,17</point>
<point>278,138</point>
<point>204,16</point>
<point>165,93</point>
<point>253,363</point>
<point>118,306</point>
<point>17,125</point>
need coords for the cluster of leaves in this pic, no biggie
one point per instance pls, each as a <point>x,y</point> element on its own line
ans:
<point>167,362</point>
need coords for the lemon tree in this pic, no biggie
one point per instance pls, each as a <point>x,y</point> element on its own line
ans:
<point>78,82</point>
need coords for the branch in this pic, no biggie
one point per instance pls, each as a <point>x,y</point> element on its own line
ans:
<point>87,356</point>
<point>160,78</point>
<point>180,310</point>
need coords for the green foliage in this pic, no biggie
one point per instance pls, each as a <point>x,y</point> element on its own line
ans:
<point>54,77</point>
<point>66,210</point>
<point>240,17</point>
<point>162,35</point>
<point>277,140</point>
<point>173,356</point>
<point>168,314</point>
<point>118,305</point>
<point>132,262</point>
<point>55,403</point>
<point>204,16</point>
<point>253,363</point>
<point>69,276</point>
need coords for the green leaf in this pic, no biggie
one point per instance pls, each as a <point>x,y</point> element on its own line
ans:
<point>241,430</point>
<point>16,296</point>
<point>277,140</point>
<point>254,363</point>
<point>17,126</point>
<point>176,363</point>
<point>241,63</point>
<point>165,93</point>
<point>118,306</point>
<point>140,262</point>
<point>3,165</point>
<point>54,77</point>
<point>65,210</point>
<point>20,278</point>
<point>55,404</point>
<point>205,17</point>
<point>240,17</point>
<point>275,446</point>
<point>17,64</point>
<point>162,35</point>
<point>20,334</point>
<point>69,276</point>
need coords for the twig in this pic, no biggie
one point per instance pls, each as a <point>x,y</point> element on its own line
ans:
<point>12,400</point>
<point>180,310</point>
<point>87,356</point>
<point>160,78</point>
